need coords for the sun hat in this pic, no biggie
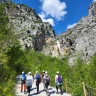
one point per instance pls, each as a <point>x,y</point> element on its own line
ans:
<point>36,71</point>
<point>43,71</point>
<point>29,73</point>
<point>22,72</point>
<point>46,72</point>
<point>57,72</point>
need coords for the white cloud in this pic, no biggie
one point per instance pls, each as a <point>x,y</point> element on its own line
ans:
<point>54,8</point>
<point>71,26</point>
<point>50,20</point>
<point>94,0</point>
<point>42,15</point>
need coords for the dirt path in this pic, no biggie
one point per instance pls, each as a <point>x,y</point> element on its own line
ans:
<point>52,90</point>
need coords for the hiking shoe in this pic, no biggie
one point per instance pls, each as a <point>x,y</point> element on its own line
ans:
<point>61,93</point>
<point>57,92</point>
<point>47,91</point>
<point>24,92</point>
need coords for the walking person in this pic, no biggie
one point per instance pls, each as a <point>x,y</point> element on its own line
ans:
<point>29,82</point>
<point>38,79</point>
<point>46,81</point>
<point>23,81</point>
<point>42,75</point>
<point>58,82</point>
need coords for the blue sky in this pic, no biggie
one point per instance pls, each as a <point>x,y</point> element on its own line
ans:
<point>61,14</point>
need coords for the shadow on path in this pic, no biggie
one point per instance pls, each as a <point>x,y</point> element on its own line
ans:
<point>33,94</point>
<point>32,89</point>
<point>52,92</point>
<point>42,91</point>
<point>50,88</point>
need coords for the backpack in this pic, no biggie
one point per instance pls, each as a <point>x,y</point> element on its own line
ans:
<point>47,79</point>
<point>59,78</point>
<point>29,82</point>
<point>23,77</point>
<point>37,76</point>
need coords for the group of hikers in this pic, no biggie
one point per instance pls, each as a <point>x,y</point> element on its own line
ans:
<point>27,81</point>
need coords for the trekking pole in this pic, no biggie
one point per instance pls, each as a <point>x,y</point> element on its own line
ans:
<point>84,89</point>
<point>66,86</point>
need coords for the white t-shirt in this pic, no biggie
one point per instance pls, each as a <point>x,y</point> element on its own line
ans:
<point>56,78</point>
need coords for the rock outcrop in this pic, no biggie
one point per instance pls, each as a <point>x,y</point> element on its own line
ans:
<point>28,27</point>
<point>37,35</point>
<point>81,39</point>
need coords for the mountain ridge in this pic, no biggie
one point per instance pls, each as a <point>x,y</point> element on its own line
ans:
<point>78,40</point>
<point>29,27</point>
<point>39,36</point>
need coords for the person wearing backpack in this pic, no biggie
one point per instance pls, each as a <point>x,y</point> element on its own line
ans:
<point>38,80</point>
<point>58,82</point>
<point>29,82</point>
<point>23,81</point>
<point>42,75</point>
<point>46,81</point>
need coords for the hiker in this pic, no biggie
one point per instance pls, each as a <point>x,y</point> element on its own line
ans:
<point>38,79</point>
<point>23,81</point>
<point>42,75</point>
<point>29,82</point>
<point>58,82</point>
<point>46,81</point>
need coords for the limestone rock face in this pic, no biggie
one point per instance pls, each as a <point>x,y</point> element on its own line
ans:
<point>81,39</point>
<point>28,27</point>
<point>37,35</point>
<point>92,9</point>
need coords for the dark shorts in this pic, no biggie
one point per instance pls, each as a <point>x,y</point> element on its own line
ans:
<point>22,81</point>
<point>37,81</point>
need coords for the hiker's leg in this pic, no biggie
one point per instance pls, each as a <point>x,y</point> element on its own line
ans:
<point>61,89</point>
<point>24,87</point>
<point>37,88</point>
<point>29,89</point>
<point>46,87</point>
<point>57,88</point>
<point>21,87</point>
<point>37,84</point>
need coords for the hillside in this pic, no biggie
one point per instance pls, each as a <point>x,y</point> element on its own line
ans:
<point>39,36</point>
<point>81,39</point>
<point>29,28</point>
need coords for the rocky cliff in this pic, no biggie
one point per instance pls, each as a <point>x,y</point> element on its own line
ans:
<point>81,39</point>
<point>28,27</point>
<point>37,35</point>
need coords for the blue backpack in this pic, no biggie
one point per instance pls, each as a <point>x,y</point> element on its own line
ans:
<point>59,78</point>
<point>23,77</point>
<point>37,76</point>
